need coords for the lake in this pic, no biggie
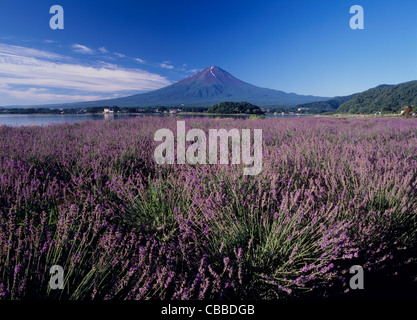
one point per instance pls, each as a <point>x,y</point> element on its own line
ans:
<point>15,120</point>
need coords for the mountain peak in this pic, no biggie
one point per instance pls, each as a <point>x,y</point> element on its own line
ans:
<point>215,68</point>
<point>205,88</point>
<point>212,75</point>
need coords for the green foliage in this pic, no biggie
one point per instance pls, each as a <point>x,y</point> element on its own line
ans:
<point>235,108</point>
<point>325,106</point>
<point>387,99</point>
<point>254,116</point>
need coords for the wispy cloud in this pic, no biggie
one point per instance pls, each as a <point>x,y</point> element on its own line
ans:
<point>185,68</point>
<point>16,51</point>
<point>42,76</point>
<point>166,66</point>
<point>82,49</point>
<point>42,95</point>
<point>111,55</point>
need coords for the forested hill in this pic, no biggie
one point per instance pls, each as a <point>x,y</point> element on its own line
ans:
<point>234,108</point>
<point>382,98</point>
<point>327,105</point>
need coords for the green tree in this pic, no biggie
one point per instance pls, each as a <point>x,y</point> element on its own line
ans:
<point>235,108</point>
<point>408,110</point>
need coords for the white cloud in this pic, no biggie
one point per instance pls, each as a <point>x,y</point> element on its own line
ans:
<point>15,51</point>
<point>120,55</point>
<point>31,73</point>
<point>82,49</point>
<point>140,60</point>
<point>103,50</point>
<point>40,95</point>
<point>166,66</point>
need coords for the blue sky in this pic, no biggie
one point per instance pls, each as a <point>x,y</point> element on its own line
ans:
<point>115,48</point>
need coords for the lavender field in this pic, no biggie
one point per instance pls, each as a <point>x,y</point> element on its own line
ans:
<point>88,196</point>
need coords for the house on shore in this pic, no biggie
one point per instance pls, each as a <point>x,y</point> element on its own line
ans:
<point>108,110</point>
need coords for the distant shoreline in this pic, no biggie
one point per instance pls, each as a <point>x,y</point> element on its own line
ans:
<point>217,114</point>
<point>348,115</point>
<point>337,115</point>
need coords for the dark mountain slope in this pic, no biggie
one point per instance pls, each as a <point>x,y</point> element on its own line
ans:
<point>382,98</point>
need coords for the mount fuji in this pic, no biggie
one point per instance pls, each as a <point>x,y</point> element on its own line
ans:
<point>205,88</point>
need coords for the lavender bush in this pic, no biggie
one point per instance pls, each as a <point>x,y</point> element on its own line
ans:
<point>89,197</point>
